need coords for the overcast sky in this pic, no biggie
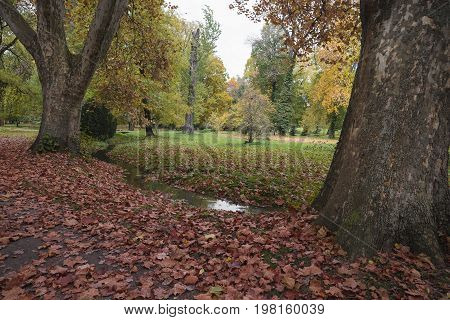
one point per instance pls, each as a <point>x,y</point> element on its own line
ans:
<point>233,46</point>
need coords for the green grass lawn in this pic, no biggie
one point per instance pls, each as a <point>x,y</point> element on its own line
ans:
<point>20,131</point>
<point>281,171</point>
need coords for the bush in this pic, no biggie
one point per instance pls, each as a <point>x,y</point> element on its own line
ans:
<point>97,121</point>
<point>48,144</point>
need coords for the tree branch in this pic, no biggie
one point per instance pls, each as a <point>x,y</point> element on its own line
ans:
<point>101,32</point>
<point>50,27</point>
<point>20,27</point>
<point>5,48</point>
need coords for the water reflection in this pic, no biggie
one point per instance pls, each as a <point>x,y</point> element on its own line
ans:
<point>137,177</point>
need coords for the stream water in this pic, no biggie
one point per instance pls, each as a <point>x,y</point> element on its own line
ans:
<point>138,177</point>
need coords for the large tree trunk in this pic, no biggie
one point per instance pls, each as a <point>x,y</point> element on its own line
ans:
<point>388,181</point>
<point>189,118</point>
<point>61,114</point>
<point>64,76</point>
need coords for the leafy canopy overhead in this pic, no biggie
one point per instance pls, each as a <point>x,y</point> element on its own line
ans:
<point>306,23</point>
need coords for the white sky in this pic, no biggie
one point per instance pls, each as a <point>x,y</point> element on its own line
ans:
<point>233,46</point>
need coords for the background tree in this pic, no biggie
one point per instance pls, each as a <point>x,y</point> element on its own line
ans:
<point>139,79</point>
<point>193,75</point>
<point>256,109</point>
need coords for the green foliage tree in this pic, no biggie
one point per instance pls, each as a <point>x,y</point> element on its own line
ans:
<point>256,110</point>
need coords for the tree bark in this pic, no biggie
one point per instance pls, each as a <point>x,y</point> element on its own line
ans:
<point>388,180</point>
<point>64,76</point>
<point>189,118</point>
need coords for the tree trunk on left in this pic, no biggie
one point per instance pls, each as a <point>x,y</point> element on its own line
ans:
<point>64,76</point>
<point>61,114</point>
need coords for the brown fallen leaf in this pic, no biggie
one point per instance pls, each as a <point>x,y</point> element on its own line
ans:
<point>350,283</point>
<point>203,296</point>
<point>312,270</point>
<point>89,294</point>
<point>191,280</point>
<point>335,292</point>
<point>289,282</point>
<point>315,286</point>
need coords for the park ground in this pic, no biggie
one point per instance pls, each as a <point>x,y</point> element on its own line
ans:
<point>72,228</point>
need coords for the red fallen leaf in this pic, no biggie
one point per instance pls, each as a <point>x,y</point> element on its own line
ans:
<point>371,267</point>
<point>350,283</point>
<point>283,232</point>
<point>190,280</point>
<point>58,269</point>
<point>179,288</point>
<point>289,282</point>
<point>71,262</point>
<point>290,294</point>
<point>161,256</point>
<point>312,270</point>
<point>322,233</point>
<point>88,220</point>
<point>344,270</point>
<point>279,202</point>
<point>168,263</point>
<point>415,273</point>
<point>146,282</point>
<point>71,222</point>
<point>29,219</point>
<point>260,240</point>
<point>160,293</point>
<point>335,292</point>
<point>64,281</point>
<point>268,274</point>
<point>384,294</point>
<point>16,293</point>
<point>89,294</point>
<point>203,296</point>
<point>4,240</point>
<point>315,286</point>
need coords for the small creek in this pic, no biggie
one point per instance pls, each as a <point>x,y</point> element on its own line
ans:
<point>138,177</point>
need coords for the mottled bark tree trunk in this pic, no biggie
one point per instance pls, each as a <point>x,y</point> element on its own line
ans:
<point>64,76</point>
<point>388,180</point>
<point>189,119</point>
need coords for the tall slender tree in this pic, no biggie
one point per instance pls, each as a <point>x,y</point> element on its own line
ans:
<point>193,70</point>
<point>64,75</point>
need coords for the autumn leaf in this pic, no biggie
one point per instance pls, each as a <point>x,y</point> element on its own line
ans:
<point>289,282</point>
<point>335,292</point>
<point>312,270</point>
<point>190,280</point>
<point>217,290</point>
<point>203,296</point>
